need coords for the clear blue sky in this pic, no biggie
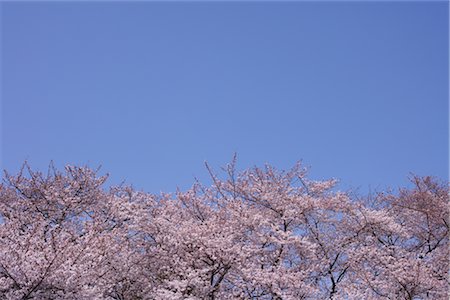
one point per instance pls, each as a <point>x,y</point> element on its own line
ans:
<point>358,91</point>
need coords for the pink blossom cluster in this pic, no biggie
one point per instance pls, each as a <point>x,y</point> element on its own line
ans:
<point>256,234</point>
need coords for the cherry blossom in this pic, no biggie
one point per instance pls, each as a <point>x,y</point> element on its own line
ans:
<point>256,234</point>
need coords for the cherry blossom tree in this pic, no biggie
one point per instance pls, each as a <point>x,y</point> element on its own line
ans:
<point>402,249</point>
<point>257,234</point>
<point>58,234</point>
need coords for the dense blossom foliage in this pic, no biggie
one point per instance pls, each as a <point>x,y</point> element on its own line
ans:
<point>258,234</point>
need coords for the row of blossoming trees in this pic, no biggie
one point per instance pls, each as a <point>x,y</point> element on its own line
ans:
<point>259,234</point>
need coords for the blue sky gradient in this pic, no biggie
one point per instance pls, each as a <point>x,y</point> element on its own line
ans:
<point>358,91</point>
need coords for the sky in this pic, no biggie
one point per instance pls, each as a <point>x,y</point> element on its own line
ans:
<point>151,90</point>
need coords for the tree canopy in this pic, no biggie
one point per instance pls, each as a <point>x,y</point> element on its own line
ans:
<point>257,234</point>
